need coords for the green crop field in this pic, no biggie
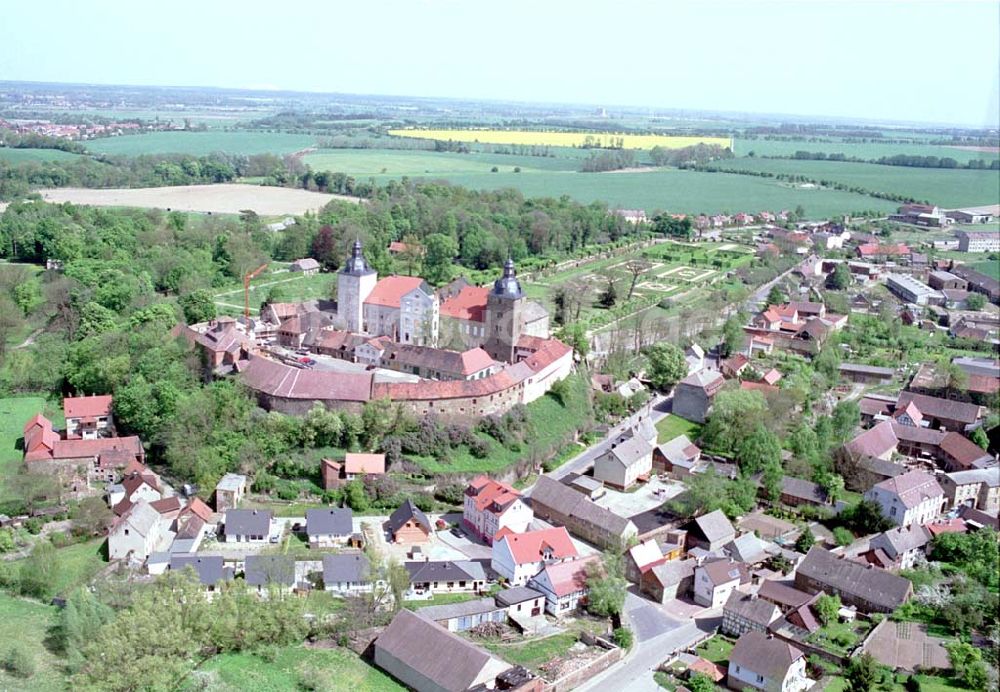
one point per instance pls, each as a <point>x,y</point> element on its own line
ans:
<point>202,143</point>
<point>867,150</point>
<point>22,155</point>
<point>291,668</point>
<point>389,163</point>
<point>948,188</point>
<point>27,624</point>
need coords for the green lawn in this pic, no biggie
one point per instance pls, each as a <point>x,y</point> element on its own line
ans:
<point>945,187</point>
<point>840,637</point>
<point>398,163</point>
<point>27,623</point>
<point>202,143</point>
<point>21,155</point>
<point>78,564</point>
<point>439,599</point>
<point>534,653</point>
<point>14,413</point>
<point>292,668</point>
<point>715,649</point>
<point>671,426</point>
<point>289,287</point>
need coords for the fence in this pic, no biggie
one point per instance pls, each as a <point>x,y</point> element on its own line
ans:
<point>601,663</point>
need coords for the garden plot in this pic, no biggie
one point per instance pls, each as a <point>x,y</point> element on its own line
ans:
<point>689,274</point>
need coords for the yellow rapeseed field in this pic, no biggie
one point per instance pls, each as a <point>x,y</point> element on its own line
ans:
<point>563,139</point>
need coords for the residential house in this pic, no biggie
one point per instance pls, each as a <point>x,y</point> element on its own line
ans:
<point>247,525</point>
<point>522,601</point>
<point>564,585</point>
<point>978,488</point>
<point>211,570</point>
<point>945,414</point>
<point>229,491</point>
<point>627,460</point>
<point>866,374</point>
<point>734,366</point>
<point>489,506</point>
<point>409,525</point>
<point>447,576</point>
<point>137,533</point>
<point>642,557</point>
<point>347,574</point>
<point>714,580</point>
<point>745,612</point>
<point>694,394</point>
<point>913,498</point>
<point>269,572</point>
<point>978,241</point>
<point>460,617</point>
<point>669,580</point>
<point>748,549</point>
<point>88,417</point>
<point>329,527</point>
<point>559,504</point>
<point>783,595</point>
<point>764,662</point>
<point>710,531</point>
<point>355,465</point>
<point>868,589</point>
<point>139,482</point>
<point>307,266</point>
<point>897,548</point>
<point>519,556</point>
<point>427,657</point>
<point>695,357</point>
<point>679,457</point>
<point>796,492</point>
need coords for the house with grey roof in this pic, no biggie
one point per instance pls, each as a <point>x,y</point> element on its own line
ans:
<point>522,601</point>
<point>445,576</point>
<point>679,457</point>
<point>669,580</point>
<point>138,533</point>
<point>329,526</point>
<point>559,504</point>
<point>764,662</point>
<point>747,548</point>
<point>715,579</point>
<point>629,458</point>
<point>264,572</point>
<point>694,394</point>
<point>247,525</point>
<point>408,524</point>
<point>745,612</point>
<point>229,491</point>
<point>210,569</point>
<point>710,531</point>
<point>425,656</point>
<point>913,498</point>
<point>869,589</point>
<point>978,488</point>
<point>347,574</point>
<point>898,548</point>
<point>459,617</point>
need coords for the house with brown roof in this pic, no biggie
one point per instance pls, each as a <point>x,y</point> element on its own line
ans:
<point>946,414</point>
<point>783,595</point>
<point>716,578</point>
<point>437,363</point>
<point>355,465</point>
<point>559,504</point>
<point>139,482</point>
<point>564,585</point>
<point>764,662</point>
<point>425,656</point>
<point>745,612</point>
<point>913,498</point>
<point>869,589</point>
<point>306,266</point>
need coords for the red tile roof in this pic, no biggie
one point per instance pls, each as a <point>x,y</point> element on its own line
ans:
<point>531,546</point>
<point>955,525</point>
<point>469,304</point>
<point>964,451</point>
<point>198,508</point>
<point>87,406</point>
<point>762,387</point>
<point>78,449</point>
<point>277,379</point>
<point>390,290</point>
<point>569,577</point>
<point>491,495</point>
<point>167,505</point>
<point>364,463</point>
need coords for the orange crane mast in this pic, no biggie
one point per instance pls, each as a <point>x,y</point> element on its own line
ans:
<point>246,291</point>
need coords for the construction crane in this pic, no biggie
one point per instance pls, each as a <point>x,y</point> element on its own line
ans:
<point>246,291</point>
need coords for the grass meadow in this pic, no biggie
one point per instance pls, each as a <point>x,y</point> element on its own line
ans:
<point>202,143</point>
<point>862,150</point>
<point>27,623</point>
<point>947,188</point>
<point>560,139</point>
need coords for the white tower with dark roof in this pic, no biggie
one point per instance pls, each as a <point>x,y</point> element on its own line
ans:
<point>355,283</point>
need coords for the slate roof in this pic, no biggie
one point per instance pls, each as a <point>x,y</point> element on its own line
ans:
<point>445,570</point>
<point>723,571</point>
<point>936,407</point>
<point>764,655</point>
<point>746,548</point>
<point>209,568</point>
<point>867,369</point>
<point>674,571</point>
<point>680,451</point>
<point>714,526</point>
<point>517,594</point>
<point>457,610</point>
<point>912,488</point>
<point>901,539</point>
<point>783,593</point>
<point>329,521</point>
<point>247,522</point>
<point>629,450</point>
<point>346,567</point>
<point>751,607</point>
<point>848,577</point>
<point>262,570</point>
<point>565,500</point>
<point>802,489</point>
<point>446,660</point>
<point>404,513</point>
<point>990,476</point>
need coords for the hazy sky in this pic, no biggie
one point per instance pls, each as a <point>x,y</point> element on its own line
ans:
<point>914,60</point>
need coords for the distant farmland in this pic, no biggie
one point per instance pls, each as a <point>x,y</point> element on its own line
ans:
<point>861,150</point>
<point>21,155</point>
<point>562,139</point>
<point>202,143</point>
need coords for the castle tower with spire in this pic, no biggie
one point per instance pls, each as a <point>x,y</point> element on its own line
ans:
<point>504,315</point>
<point>355,283</point>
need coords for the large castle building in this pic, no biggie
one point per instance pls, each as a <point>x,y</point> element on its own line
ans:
<point>460,316</point>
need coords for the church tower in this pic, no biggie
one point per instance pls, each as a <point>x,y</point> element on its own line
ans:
<point>355,283</point>
<point>504,315</point>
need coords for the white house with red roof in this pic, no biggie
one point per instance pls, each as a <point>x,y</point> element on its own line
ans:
<point>138,482</point>
<point>564,585</point>
<point>520,556</point>
<point>88,417</point>
<point>912,498</point>
<point>490,505</point>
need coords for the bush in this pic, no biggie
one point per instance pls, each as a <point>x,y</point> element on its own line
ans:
<point>453,493</point>
<point>19,662</point>
<point>623,637</point>
<point>34,525</point>
<point>843,536</point>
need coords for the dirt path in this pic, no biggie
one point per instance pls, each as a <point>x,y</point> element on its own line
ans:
<point>31,338</point>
